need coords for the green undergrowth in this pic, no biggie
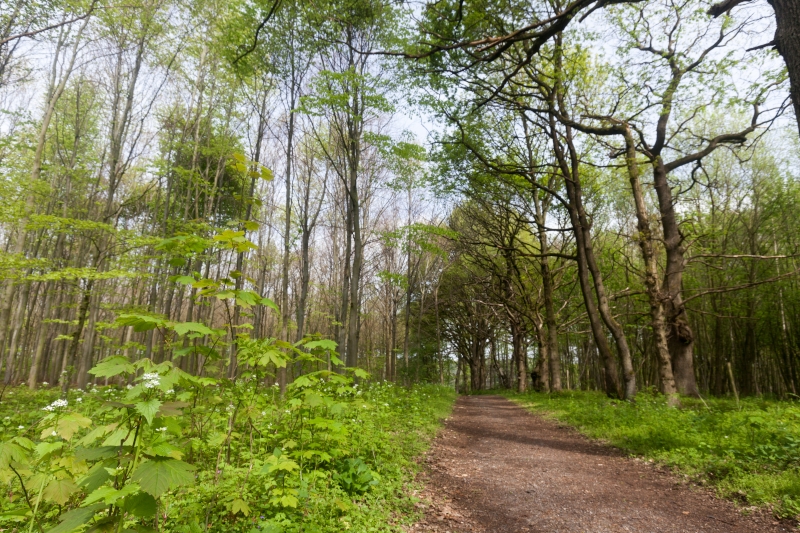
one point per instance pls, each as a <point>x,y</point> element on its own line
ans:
<point>749,452</point>
<point>176,453</point>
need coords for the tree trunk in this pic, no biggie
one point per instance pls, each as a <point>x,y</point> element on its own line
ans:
<point>680,335</point>
<point>787,40</point>
<point>33,374</point>
<point>651,281</point>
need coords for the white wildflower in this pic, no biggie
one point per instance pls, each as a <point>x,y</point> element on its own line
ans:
<point>45,383</point>
<point>129,386</point>
<point>161,429</point>
<point>20,427</point>
<point>55,405</point>
<point>53,433</point>
<point>78,399</point>
<point>171,391</point>
<point>151,380</point>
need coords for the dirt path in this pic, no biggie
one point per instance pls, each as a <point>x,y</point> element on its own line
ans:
<point>496,468</point>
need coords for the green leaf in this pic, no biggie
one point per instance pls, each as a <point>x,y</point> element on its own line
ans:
<point>172,408</point>
<point>148,409</point>
<point>312,399</point>
<point>68,425</point>
<point>266,174</point>
<point>97,476</point>
<point>93,454</point>
<point>269,303</point>
<point>120,437</point>
<point>240,506</point>
<point>43,449</point>
<point>141,504</point>
<point>72,520</point>
<point>182,328</point>
<point>325,344</point>
<point>289,501</point>
<point>158,475</point>
<point>18,515</point>
<point>139,322</point>
<point>110,495</point>
<point>112,366</point>
<point>360,373</point>
<point>59,491</point>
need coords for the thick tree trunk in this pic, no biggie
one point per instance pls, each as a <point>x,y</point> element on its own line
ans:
<point>680,335</point>
<point>651,280</point>
<point>787,40</point>
<point>520,359</point>
<point>543,365</point>
<point>17,322</point>
<point>550,315</point>
<point>35,370</point>
<point>72,354</point>
<point>358,259</point>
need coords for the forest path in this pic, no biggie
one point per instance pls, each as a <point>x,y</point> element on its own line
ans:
<point>496,468</point>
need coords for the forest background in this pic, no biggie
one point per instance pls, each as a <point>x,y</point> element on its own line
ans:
<point>605,197</point>
<point>137,137</point>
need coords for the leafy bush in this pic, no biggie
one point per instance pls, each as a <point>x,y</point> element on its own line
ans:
<point>354,476</point>
<point>175,452</point>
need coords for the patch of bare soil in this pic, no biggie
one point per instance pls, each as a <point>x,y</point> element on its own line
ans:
<point>497,468</point>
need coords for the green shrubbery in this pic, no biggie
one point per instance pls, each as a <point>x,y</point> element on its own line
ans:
<point>750,452</point>
<point>174,452</point>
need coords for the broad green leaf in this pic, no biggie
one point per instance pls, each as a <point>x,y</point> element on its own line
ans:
<point>240,506</point>
<point>172,408</point>
<point>325,344</point>
<point>360,373</point>
<point>97,476</point>
<point>182,328</point>
<point>148,409</point>
<point>312,399</point>
<point>43,449</point>
<point>59,491</point>
<point>70,424</point>
<point>141,504</point>
<point>18,515</point>
<point>289,501</point>
<point>110,495</point>
<point>120,437</point>
<point>112,366</point>
<point>93,454</point>
<point>140,322</point>
<point>269,303</point>
<point>158,475</point>
<point>74,519</point>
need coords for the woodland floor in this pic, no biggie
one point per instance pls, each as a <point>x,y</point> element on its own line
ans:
<point>497,468</point>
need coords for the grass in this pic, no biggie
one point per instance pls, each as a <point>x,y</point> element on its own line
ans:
<point>749,452</point>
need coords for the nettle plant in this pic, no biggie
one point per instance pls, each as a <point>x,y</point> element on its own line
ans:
<point>172,451</point>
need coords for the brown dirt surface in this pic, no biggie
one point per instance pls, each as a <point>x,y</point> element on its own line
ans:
<point>496,468</point>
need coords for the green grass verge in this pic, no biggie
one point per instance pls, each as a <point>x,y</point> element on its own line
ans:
<point>749,452</point>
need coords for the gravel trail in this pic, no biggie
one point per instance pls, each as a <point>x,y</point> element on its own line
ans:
<point>496,468</point>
